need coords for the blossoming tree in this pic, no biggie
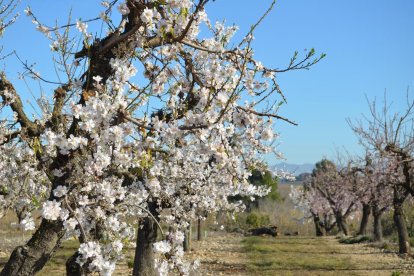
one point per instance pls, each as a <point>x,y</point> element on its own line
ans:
<point>389,135</point>
<point>329,196</point>
<point>153,123</point>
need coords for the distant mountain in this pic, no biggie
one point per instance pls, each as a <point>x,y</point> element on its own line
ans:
<point>295,169</point>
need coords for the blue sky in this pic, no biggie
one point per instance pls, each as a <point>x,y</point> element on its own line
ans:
<point>369,46</point>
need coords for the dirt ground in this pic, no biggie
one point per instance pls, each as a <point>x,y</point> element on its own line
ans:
<point>232,254</point>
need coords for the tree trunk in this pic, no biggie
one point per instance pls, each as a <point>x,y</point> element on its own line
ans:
<point>187,239</point>
<point>341,224</point>
<point>144,255</point>
<point>399,220</point>
<point>319,230</point>
<point>73,268</point>
<point>366,211</point>
<point>199,234</point>
<point>377,213</point>
<point>30,258</point>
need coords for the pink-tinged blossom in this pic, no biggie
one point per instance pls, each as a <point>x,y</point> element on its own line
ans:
<point>70,224</point>
<point>60,191</point>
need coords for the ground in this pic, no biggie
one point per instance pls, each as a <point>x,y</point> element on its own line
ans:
<point>238,255</point>
<point>232,254</point>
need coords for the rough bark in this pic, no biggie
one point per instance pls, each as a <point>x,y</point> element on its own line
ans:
<point>30,258</point>
<point>377,214</point>
<point>399,220</point>
<point>199,234</point>
<point>319,230</point>
<point>187,239</point>
<point>73,268</point>
<point>366,211</point>
<point>341,224</point>
<point>144,256</point>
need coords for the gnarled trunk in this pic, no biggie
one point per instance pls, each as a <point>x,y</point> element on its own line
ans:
<point>144,264</point>
<point>341,223</point>
<point>399,220</point>
<point>377,214</point>
<point>319,229</point>
<point>199,234</point>
<point>187,239</point>
<point>73,268</point>
<point>30,258</point>
<point>366,211</point>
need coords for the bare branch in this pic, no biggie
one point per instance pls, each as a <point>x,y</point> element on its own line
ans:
<point>267,115</point>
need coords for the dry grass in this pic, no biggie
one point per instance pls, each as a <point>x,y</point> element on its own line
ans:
<point>231,254</point>
<point>318,256</point>
<point>237,255</point>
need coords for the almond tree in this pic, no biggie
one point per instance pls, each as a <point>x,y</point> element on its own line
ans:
<point>373,191</point>
<point>314,206</point>
<point>329,192</point>
<point>167,146</point>
<point>390,136</point>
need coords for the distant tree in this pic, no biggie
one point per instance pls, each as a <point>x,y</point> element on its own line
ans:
<point>390,136</point>
<point>329,195</point>
<point>268,180</point>
<point>314,206</point>
<point>303,176</point>
<point>337,188</point>
<point>373,191</point>
<point>263,179</point>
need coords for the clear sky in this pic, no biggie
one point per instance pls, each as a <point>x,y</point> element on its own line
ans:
<point>369,46</point>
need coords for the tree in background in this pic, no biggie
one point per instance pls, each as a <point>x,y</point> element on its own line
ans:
<point>329,195</point>
<point>374,192</point>
<point>390,137</point>
<point>314,206</point>
<point>168,146</point>
<point>261,178</point>
<point>336,186</point>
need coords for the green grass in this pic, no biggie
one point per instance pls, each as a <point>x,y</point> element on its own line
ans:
<point>267,254</point>
<point>357,239</point>
<point>56,266</point>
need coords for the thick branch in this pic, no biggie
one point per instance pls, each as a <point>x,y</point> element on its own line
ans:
<point>8,137</point>
<point>59,96</point>
<point>16,105</point>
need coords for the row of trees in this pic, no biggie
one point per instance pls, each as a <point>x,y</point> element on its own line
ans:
<point>111,149</point>
<point>380,180</point>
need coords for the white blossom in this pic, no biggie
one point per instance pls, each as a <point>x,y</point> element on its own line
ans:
<point>51,210</point>
<point>162,247</point>
<point>60,191</point>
